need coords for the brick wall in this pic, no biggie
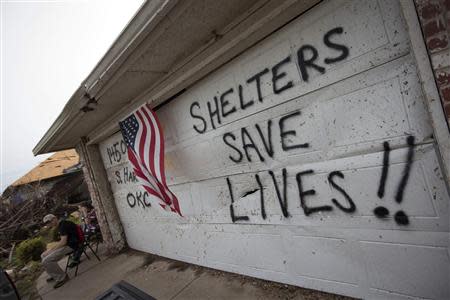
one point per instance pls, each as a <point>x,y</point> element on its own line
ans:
<point>434,17</point>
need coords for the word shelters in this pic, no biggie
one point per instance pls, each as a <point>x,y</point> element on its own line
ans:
<point>230,101</point>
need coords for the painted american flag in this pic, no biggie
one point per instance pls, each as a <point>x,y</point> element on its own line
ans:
<point>143,135</point>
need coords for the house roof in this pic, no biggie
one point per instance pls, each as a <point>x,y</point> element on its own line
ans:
<point>53,166</point>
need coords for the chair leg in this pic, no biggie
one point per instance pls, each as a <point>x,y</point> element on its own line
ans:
<point>95,254</point>
<point>76,269</point>
<point>67,263</point>
<point>84,251</point>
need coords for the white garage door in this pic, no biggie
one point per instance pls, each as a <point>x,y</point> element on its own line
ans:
<point>308,160</point>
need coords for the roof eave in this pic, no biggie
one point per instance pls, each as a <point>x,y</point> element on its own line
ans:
<point>143,22</point>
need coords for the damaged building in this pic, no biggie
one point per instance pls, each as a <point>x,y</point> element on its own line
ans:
<point>306,141</point>
<point>59,177</point>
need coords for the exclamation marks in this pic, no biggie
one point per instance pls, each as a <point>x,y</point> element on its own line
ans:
<point>382,212</point>
<point>384,172</point>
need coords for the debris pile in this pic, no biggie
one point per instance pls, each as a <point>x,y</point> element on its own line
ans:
<point>20,221</point>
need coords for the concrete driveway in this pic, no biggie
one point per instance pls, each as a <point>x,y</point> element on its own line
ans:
<point>166,279</point>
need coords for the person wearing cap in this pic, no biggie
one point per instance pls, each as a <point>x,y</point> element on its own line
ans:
<point>68,243</point>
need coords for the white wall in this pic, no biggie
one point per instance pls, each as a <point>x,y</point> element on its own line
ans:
<point>345,115</point>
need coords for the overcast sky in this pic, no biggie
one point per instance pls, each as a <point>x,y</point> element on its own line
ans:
<point>47,49</point>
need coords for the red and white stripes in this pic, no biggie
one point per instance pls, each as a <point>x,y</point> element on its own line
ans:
<point>147,157</point>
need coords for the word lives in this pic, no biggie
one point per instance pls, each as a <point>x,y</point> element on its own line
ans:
<point>304,193</point>
<point>335,178</point>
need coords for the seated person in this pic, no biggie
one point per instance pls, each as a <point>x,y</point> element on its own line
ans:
<point>75,217</point>
<point>69,242</point>
<point>88,217</point>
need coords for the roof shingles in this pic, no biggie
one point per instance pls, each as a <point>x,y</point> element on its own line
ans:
<point>51,167</point>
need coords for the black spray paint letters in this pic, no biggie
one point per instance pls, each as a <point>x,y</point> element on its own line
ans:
<point>306,195</point>
<point>125,175</point>
<point>351,205</point>
<point>282,198</point>
<point>138,199</point>
<point>234,218</point>
<point>232,99</point>
<point>302,195</point>
<point>260,144</point>
<point>336,180</point>
<point>116,152</point>
<point>400,217</point>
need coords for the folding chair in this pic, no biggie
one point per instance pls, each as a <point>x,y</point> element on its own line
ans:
<point>94,238</point>
<point>75,255</point>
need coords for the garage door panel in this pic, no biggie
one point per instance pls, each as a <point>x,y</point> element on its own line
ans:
<point>270,259</point>
<point>362,116</point>
<point>353,116</point>
<point>424,194</point>
<point>330,181</point>
<point>425,191</point>
<point>179,112</point>
<point>369,45</point>
<point>322,258</point>
<point>392,269</point>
